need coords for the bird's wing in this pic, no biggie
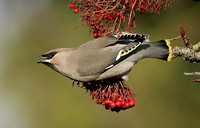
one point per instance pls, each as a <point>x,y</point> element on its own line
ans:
<point>123,38</point>
<point>101,54</point>
<point>123,53</point>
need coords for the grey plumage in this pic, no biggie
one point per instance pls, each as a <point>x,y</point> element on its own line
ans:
<point>105,57</point>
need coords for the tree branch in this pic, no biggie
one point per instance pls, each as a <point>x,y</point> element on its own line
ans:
<point>189,53</point>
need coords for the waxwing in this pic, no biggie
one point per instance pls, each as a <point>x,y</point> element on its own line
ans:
<point>107,57</point>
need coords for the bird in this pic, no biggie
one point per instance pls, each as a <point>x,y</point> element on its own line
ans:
<point>107,57</point>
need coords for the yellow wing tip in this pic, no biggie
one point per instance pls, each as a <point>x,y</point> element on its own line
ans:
<point>170,56</point>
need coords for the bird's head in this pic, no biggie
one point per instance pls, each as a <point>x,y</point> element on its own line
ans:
<point>55,58</point>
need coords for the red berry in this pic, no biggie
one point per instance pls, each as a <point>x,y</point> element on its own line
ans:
<point>120,98</point>
<point>127,104</point>
<point>76,10</point>
<point>107,101</point>
<point>92,23</point>
<point>95,35</point>
<point>132,4</point>
<point>72,6</point>
<point>99,35</point>
<point>110,101</point>
<point>118,103</point>
<point>142,6</point>
<point>109,107</point>
<point>96,9</point>
<point>108,17</point>
<point>141,11</point>
<point>95,92</point>
<point>112,104</point>
<point>96,15</point>
<point>122,17</point>
<point>103,103</point>
<point>122,102</point>
<point>132,102</point>
<point>115,94</point>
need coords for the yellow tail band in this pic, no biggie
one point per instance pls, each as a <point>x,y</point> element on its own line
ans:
<point>170,50</point>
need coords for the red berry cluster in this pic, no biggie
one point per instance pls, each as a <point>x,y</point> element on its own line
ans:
<point>113,94</point>
<point>105,17</point>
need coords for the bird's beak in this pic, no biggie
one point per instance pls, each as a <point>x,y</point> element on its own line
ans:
<point>44,61</point>
<point>42,56</point>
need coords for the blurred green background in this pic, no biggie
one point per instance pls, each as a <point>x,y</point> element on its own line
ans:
<point>34,96</point>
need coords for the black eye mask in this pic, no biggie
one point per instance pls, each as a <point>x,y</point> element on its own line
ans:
<point>51,55</point>
<point>48,56</point>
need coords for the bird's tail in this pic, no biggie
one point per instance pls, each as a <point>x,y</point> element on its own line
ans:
<point>159,50</point>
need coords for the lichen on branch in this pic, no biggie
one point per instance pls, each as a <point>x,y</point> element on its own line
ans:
<point>190,52</point>
<point>187,53</point>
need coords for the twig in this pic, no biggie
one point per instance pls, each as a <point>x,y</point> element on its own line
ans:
<point>193,73</point>
<point>185,38</point>
<point>175,38</point>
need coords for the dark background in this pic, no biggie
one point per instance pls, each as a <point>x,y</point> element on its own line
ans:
<point>34,96</point>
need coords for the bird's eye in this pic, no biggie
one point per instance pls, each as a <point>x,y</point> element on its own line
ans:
<point>51,55</point>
